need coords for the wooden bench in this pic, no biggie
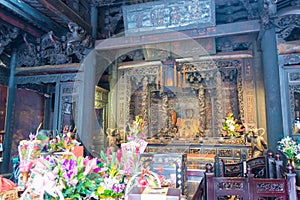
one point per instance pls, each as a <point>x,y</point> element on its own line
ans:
<point>261,167</point>
<point>250,186</point>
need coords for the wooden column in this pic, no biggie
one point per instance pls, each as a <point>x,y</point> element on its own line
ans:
<point>9,115</point>
<point>112,106</point>
<point>272,87</point>
<point>94,21</point>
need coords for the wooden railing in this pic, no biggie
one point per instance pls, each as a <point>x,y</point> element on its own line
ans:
<point>276,182</point>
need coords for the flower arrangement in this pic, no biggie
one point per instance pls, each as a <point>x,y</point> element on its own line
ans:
<point>76,178</point>
<point>289,148</point>
<point>230,127</point>
<point>134,147</point>
<point>113,185</point>
<point>144,178</point>
<point>136,129</point>
<point>64,141</point>
<point>28,150</point>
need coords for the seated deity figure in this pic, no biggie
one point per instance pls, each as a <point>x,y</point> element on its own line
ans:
<point>188,126</point>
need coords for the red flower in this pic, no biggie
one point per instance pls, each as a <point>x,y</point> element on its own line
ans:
<point>142,182</point>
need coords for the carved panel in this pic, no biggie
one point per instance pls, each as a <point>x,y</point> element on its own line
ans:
<point>291,59</point>
<point>161,16</point>
<point>213,88</point>
<point>129,82</point>
<point>67,105</point>
<point>50,78</point>
<point>285,26</point>
<point>7,35</point>
<point>294,77</point>
<point>270,187</point>
<point>52,51</point>
<point>230,186</point>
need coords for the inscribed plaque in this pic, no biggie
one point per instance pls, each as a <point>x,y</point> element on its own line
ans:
<point>162,16</point>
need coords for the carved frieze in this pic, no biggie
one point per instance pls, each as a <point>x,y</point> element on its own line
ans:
<point>270,187</point>
<point>291,59</point>
<point>230,186</point>
<point>294,77</point>
<point>51,78</point>
<point>7,35</point>
<point>285,26</point>
<point>161,16</point>
<point>267,15</point>
<point>71,48</point>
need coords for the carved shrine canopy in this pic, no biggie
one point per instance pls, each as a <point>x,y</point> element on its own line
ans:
<point>160,16</point>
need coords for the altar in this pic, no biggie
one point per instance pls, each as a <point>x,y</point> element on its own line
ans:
<point>203,151</point>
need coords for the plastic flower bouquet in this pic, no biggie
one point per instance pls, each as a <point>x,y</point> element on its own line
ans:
<point>289,148</point>
<point>76,178</point>
<point>113,185</point>
<point>134,147</point>
<point>136,129</point>
<point>230,127</point>
<point>64,141</point>
<point>28,150</point>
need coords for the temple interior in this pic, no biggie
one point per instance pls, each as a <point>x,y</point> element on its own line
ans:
<point>211,80</point>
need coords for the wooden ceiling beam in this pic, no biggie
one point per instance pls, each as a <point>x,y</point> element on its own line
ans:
<point>33,16</point>
<point>219,30</point>
<point>18,24</point>
<point>66,13</point>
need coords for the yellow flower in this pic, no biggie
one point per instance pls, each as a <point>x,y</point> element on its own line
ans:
<point>100,190</point>
<point>113,171</point>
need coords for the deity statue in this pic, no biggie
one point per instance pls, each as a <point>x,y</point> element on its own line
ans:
<point>112,139</point>
<point>258,143</point>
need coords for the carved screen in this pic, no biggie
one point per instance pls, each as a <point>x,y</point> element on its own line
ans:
<point>195,109</point>
<point>295,108</point>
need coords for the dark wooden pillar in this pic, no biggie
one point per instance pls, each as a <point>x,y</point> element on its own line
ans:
<point>94,21</point>
<point>272,87</point>
<point>9,115</point>
<point>47,109</point>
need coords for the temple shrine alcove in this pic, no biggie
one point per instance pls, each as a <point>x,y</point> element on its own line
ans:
<point>185,100</point>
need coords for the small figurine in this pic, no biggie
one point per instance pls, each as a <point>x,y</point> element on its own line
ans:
<point>258,143</point>
<point>113,139</point>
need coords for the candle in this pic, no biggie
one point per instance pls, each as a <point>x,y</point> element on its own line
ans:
<point>183,77</point>
<point>157,77</point>
<point>178,80</point>
<point>161,77</point>
<point>175,74</point>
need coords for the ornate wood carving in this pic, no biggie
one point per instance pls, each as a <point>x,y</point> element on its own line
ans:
<point>161,16</point>
<point>294,77</point>
<point>237,43</point>
<point>291,59</point>
<point>292,90</point>
<point>67,105</point>
<point>52,51</point>
<point>217,89</point>
<point>129,81</point>
<point>285,26</point>
<point>7,35</point>
<point>266,15</point>
<point>51,78</point>
<point>112,19</point>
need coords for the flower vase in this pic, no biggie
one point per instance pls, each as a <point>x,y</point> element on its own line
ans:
<point>25,177</point>
<point>292,162</point>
